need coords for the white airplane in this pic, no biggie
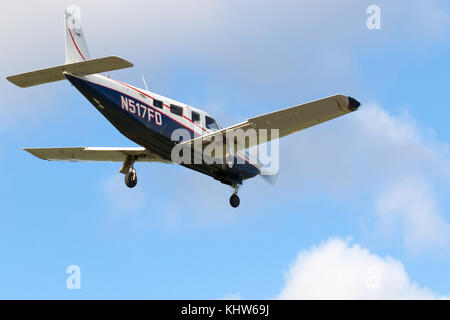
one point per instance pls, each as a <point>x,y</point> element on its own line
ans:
<point>149,119</point>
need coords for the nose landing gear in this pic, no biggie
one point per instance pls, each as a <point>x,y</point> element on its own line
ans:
<point>234,199</point>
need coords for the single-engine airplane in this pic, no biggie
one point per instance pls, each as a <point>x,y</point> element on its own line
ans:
<point>149,119</point>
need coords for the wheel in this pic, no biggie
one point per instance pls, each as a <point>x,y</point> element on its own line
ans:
<point>234,201</point>
<point>131,179</point>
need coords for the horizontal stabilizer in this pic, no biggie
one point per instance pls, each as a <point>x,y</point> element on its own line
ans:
<point>95,154</point>
<point>78,68</point>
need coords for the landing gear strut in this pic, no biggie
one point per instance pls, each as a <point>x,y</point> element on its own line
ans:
<point>234,199</point>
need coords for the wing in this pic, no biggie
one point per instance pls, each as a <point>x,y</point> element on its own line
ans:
<point>288,120</point>
<point>95,154</point>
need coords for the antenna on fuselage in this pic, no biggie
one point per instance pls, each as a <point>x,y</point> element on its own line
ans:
<point>145,83</point>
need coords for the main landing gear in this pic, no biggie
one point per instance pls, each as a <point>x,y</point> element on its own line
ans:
<point>234,199</point>
<point>129,172</point>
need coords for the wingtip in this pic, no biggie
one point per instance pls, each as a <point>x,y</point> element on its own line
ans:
<point>30,151</point>
<point>12,80</point>
<point>353,104</point>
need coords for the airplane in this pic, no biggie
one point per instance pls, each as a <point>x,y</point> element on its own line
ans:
<point>149,119</point>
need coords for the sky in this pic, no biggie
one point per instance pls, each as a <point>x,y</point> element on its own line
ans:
<point>361,206</point>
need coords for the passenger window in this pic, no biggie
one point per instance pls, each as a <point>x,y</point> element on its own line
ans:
<point>157,103</point>
<point>195,117</point>
<point>176,110</point>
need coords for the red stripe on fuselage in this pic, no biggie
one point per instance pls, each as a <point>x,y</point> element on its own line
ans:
<point>194,123</point>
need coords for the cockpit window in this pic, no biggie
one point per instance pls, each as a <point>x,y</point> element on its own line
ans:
<point>211,123</point>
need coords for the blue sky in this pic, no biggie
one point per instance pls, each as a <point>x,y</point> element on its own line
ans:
<point>361,206</point>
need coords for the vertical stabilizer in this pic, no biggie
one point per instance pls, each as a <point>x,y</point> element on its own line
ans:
<point>76,47</point>
<point>78,59</point>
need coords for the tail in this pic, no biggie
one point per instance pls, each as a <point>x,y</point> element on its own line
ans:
<point>76,46</point>
<point>78,59</point>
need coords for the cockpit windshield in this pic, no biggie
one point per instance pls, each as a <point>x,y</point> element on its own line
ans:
<point>211,124</point>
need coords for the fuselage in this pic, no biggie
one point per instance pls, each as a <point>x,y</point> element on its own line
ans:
<point>149,120</point>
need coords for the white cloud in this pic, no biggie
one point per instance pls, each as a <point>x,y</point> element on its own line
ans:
<point>383,156</point>
<point>409,205</point>
<point>336,269</point>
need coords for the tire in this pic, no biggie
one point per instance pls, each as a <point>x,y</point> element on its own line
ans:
<point>235,201</point>
<point>131,179</point>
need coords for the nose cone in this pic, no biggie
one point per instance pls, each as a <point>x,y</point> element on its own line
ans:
<point>353,104</point>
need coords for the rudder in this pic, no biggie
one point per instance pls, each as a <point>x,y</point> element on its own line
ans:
<point>76,46</point>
